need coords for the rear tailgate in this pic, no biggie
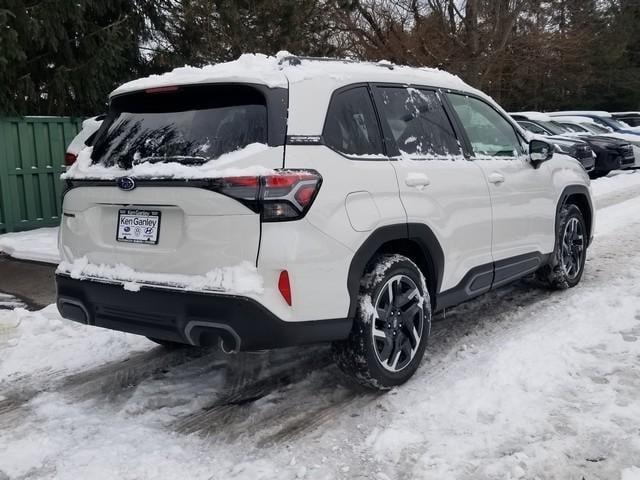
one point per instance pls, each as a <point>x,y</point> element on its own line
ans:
<point>199,230</point>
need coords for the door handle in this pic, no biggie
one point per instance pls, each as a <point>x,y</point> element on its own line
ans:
<point>496,178</point>
<point>418,180</point>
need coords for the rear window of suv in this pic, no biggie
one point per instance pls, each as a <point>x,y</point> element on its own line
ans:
<point>189,125</point>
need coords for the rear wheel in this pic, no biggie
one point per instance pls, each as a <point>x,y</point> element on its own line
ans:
<point>567,264</point>
<point>392,324</point>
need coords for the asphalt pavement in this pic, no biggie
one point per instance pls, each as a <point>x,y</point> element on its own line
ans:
<point>31,282</point>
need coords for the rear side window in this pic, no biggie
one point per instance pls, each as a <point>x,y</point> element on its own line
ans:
<point>351,126</point>
<point>418,122</point>
<point>189,125</point>
<point>489,132</point>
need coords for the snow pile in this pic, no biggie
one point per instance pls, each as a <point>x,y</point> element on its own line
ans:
<point>40,342</point>
<point>83,168</point>
<point>38,245</point>
<point>240,279</point>
<point>615,182</point>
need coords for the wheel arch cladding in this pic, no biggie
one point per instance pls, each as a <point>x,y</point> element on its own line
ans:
<point>578,195</point>
<point>415,241</point>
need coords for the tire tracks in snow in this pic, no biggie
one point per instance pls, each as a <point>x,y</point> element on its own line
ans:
<point>104,380</point>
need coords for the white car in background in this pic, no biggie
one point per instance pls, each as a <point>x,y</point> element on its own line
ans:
<point>278,201</point>
<point>632,119</point>
<point>83,139</point>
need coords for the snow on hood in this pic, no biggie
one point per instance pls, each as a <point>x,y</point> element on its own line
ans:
<point>84,169</point>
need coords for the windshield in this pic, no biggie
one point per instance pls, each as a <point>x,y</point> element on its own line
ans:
<point>532,127</point>
<point>189,125</point>
<point>592,127</point>
<point>632,121</point>
<point>575,128</point>
<point>554,127</point>
<point>612,122</point>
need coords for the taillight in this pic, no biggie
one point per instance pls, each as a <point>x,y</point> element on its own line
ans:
<point>69,158</point>
<point>284,195</point>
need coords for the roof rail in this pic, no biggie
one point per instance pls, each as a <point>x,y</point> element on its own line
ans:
<point>295,60</point>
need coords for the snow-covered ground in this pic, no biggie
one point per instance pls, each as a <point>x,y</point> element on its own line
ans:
<point>519,383</point>
<point>42,244</point>
<point>39,245</point>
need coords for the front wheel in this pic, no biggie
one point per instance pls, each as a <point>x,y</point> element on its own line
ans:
<point>567,264</point>
<point>392,324</point>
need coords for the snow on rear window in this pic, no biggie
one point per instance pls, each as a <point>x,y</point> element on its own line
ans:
<point>190,125</point>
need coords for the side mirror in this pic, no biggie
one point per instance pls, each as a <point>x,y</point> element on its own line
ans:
<point>539,151</point>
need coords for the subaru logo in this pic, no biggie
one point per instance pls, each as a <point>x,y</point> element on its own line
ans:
<point>126,183</point>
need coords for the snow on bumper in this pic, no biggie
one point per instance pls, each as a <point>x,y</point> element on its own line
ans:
<point>236,322</point>
<point>240,279</point>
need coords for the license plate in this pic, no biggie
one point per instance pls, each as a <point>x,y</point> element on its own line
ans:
<point>138,226</point>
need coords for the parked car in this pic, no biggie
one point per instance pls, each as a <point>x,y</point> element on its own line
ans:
<point>572,146</point>
<point>83,139</point>
<point>630,118</point>
<point>611,154</point>
<point>270,202</point>
<point>585,127</point>
<point>604,119</point>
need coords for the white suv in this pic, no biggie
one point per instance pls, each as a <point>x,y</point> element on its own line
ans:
<point>277,201</point>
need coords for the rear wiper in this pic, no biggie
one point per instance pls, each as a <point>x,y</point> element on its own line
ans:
<point>183,159</point>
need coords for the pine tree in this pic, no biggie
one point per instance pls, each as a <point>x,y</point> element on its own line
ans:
<point>59,57</point>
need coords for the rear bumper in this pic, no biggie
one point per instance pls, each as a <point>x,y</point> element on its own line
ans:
<point>194,318</point>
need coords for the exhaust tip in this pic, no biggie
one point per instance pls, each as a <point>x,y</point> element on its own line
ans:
<point>210,333</point>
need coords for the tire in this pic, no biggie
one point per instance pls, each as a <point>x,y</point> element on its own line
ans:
<point>567,264</point>
<point>383,349</point>
<point>168,343</point>
<point>598,174</point>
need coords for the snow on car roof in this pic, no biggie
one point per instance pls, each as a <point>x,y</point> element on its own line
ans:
<point>283,69</point>
<point>535,116</point>
<point>626,113</point>
<point>574,119</point>
<point>578,113</point>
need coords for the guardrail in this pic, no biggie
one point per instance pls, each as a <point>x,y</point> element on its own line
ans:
<point>31,161</point>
